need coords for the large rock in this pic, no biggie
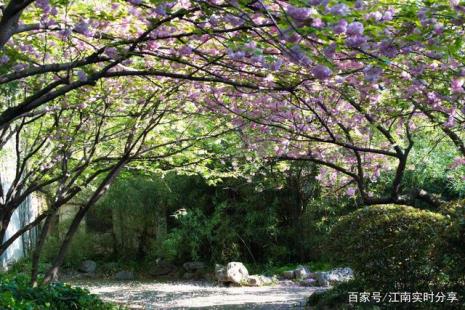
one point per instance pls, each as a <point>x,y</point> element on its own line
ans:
<point>88,266</point>
<point>234,272</point>
<point>326,278</point>
<point>162,268</point>
<point>301,272</point>
<point>124,276</point>
<point>194,266</point>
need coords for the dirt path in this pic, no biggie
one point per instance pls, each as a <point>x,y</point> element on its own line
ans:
<point>188,295</point>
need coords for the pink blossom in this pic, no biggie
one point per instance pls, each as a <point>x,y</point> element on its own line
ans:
<point>451,120</point>
<point>321,72</point>
<point>376,16</point>
<point>356,41</point>
<point>351,191</point>
<point>83,28</point>
<point>388,15</point>
<point>339,9</point>
<point>355,28</point>
<point>185,50</point>
<point>299,14</point>
<point>82,76</point>
<point>318,23</point>
<point>460,161</point>
<point>43,4</point>
<point>111,52</point>
<point>457,85</point>
<point>340,27</point>
<point>4,59</point>
<point>372,74</point>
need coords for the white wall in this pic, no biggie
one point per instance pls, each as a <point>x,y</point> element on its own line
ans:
<point>23,215</point>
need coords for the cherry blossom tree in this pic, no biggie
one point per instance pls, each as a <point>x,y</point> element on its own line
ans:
<point>347,85</point>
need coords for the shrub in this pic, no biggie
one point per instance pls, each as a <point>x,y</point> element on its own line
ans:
<point>389,246</point>
<point>189,240</point>
<point>337,297</point>
<point>15,293</point>
<point>83,246</point>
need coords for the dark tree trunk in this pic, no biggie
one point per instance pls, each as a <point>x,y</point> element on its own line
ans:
<point>39,246</point>
<point>10,19</point>
<point>52,273</point>
<point>5,217</point>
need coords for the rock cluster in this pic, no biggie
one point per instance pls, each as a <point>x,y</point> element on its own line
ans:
<point>326,278</point>
<point>320,278</point>
<point>235,273</point>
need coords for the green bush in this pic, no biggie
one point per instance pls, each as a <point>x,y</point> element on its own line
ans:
<point>389,246</point>
<point>17,294</point>
<point>83,246</point>
<point>338,298</point>
<point>189,240</point>
<point>313,229</point>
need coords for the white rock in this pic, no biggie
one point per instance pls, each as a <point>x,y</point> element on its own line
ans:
<point>301,272</point>
<point>326,278</point>
<point>236,272</point>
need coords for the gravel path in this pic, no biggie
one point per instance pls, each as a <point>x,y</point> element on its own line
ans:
<point>188,295</point>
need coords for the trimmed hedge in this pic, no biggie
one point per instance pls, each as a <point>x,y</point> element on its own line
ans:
<point>389,247</point>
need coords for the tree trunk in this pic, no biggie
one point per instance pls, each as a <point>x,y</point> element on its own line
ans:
<point>52,273</point>
<point>39,246</point>
<point>5,217</point>
<point>10,19</point>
